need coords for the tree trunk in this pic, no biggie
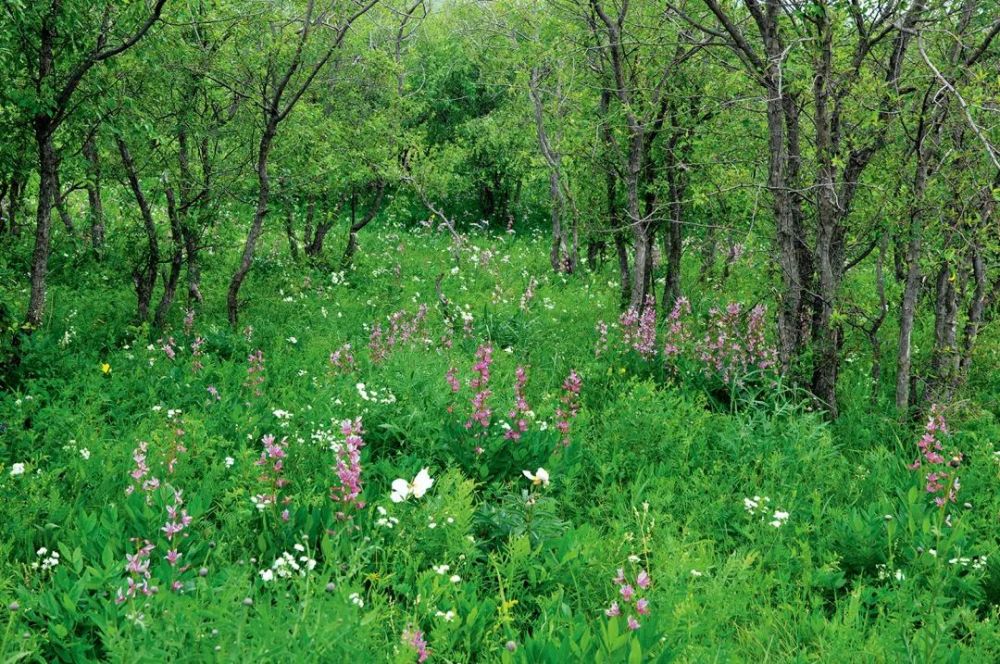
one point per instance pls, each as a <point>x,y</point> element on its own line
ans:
<point>176,261</point>
<point>293,243</point>
<point>94,196</point>
<point>60,202</point>
<point>145,279</point>
<point>359,224</point>
<point>256,227</point>
<point>47,164</point>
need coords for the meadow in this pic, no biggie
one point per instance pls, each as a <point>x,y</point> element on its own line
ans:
<point>522,474</point>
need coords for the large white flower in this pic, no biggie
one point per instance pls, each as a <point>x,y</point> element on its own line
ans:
<point>540,476</point>
<point>401,489</point>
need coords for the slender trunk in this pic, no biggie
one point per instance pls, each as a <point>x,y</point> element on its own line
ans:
<point>256,227</point>
<point>145,279</point>
<point>907,309</point>
<point>60,202</point>
<point>191,210</point>
<point>47,164</point>
<point>293,243</point>
<point>672,287</point>
<point>176,261</point>
<point>94,196</point>
<point>359,224</point>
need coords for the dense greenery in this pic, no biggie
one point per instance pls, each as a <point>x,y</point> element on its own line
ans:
<point>521,331</point>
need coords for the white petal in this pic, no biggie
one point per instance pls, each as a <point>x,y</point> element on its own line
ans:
<point>421,483</point>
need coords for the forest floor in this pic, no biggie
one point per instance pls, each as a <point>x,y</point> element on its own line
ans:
<point>360,472</point>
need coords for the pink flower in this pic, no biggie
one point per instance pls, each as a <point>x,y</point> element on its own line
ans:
<point>642,580</point>
<point>633,624</point>
<point>642,607</point>
<point>613,610</point>
<point>620,577</point>
<point>628,592</point>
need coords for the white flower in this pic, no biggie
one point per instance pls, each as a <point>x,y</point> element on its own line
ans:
<point>540,476</point>
<point>448,616</point>
<point>356,600</point>
<point>85,453</point>
<point>292,340</point>
<point>17,469</point>
<point>441,569</point>
<point>401,489</point>
<point>266,574</point>
<point>779,518</point>
<point>696,573</point>
<point>229,461</point>
<point>455,578</point>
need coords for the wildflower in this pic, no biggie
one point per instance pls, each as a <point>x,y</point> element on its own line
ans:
<point>941,482</point>
<point>348,466</point>
<point>613,610</point>
<point>627,592</point>
<point>441,569</point>
<point>539,477</point>
<point>642,580</point>
<point>642,606</point>
<point>620,577</point>
<point>401,489</point>
<point>415,638</point>
<point>229,461</point>
<point>17,469</point>
<point>779,518</point>
<point>454,578</point>
<point>633,624</point>
<point>447,615</point>
<point>511,646</point>
<point>105,368</point>
<point>85,453</point>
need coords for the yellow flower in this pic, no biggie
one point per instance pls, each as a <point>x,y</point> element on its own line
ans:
<point>105,368</point>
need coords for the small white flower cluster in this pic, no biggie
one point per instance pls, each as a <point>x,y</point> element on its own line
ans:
<point>283,416</point>
<point>977,562</point>
<point>444,569</point>
<point>447,615</point>
<point>373,395</point>
<point>357,600</point>
<point>338,278</point>
<point>48,560</point>
<point>883,573</point>
<point>67,337</point>
<point>261,502</point>
<point>760,505</point>
<point>384,520</point>
<point>16,469</point>
<point>286,565</point>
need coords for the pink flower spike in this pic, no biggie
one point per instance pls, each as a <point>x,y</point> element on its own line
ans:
<point>633,624</point>
<point>628,592</point>
<point>613,610</point>
<point>642,607</point>
<point>642,580</point>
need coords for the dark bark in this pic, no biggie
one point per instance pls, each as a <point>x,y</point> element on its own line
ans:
<point>358,224</point>
<point>257,226</point>
<point>293,242</point>
<point>176,260</point>
<point>144,276</point>
<point>92,156</point>
<point>61,208</point>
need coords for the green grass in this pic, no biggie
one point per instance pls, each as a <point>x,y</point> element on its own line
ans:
<point>658,469</point>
